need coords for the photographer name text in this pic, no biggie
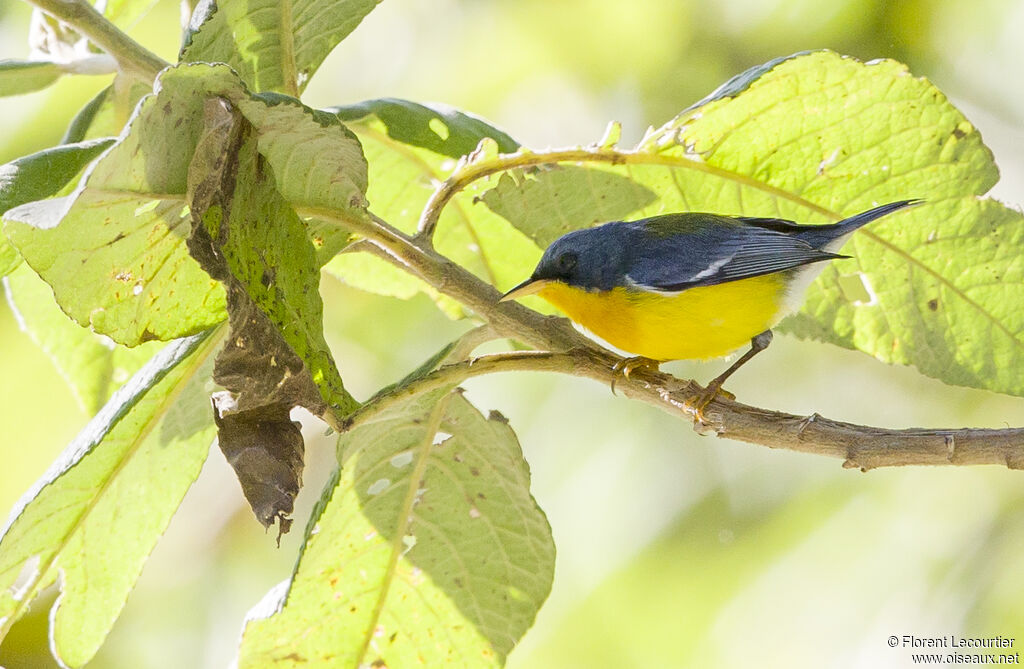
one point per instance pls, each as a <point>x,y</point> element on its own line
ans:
<point>953,641</point>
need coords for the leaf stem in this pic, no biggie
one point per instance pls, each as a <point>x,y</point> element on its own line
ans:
<point>477,167</point>
<point>130,55</point>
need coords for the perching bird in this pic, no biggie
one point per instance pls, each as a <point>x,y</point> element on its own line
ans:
<point>689,285</point>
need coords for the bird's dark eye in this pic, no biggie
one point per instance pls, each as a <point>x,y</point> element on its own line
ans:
<point>567,261</point>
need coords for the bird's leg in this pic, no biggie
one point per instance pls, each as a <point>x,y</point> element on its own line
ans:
<point>627,366</point>
<point>700,401</point>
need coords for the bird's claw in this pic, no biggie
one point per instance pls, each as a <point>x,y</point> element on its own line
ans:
<point>699,402</point>
<point>627,366</point>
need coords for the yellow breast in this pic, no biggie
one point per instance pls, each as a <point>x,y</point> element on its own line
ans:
<point>704,322</point>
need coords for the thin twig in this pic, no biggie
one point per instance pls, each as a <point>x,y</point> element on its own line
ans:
<point>475,168</point>
<point>467,343</point>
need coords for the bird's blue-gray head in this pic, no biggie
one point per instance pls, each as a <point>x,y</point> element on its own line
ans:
<point>592,259</point>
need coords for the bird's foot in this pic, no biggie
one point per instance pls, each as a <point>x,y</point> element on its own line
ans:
<point>627,366</point>
<point>699,402</point>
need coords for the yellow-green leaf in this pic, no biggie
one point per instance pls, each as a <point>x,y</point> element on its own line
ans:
<point>96,514</point>
<point>114,251</point>
<point>274,46</point>
<point>427,550</point>
<point>816,137</point>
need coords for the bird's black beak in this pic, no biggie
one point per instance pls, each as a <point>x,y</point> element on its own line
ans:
<point>528,287</point>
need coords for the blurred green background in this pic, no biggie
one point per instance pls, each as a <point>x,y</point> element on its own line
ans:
<point>674,550</point>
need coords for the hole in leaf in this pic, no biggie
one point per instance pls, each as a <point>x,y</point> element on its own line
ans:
<point>857,290</point>
<point>439,127</point>
<point>401,460</point>
<point>378,486</point>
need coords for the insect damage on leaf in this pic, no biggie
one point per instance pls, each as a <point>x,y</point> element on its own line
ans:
<point>263,375</point>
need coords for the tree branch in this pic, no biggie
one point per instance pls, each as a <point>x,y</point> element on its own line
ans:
<point>507,318</point>
<point>129,54</point>
<point>859,446</point>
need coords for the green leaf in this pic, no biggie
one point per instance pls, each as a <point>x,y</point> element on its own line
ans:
<point>94,517</point>
<point>816,137</point>
<point>864,133</point>
<point>114,251</point>
<point>125,13</point>
<point>561,199</point>
<point>130,279</point>
<point>40,175</point>
<point>438,128</point>
<point>376,275</point>
<point>742,81</point>
<point>108,112</point>
<point>274,46</point>
<point>79,127</point>
<point>92,366</point>
<point>410,148</point>
<point>18,77</point>
<point>9,257</point>
<point>44,173</point>
<point>427,550</point>
<point>318,162</point>
<point>937,288</point>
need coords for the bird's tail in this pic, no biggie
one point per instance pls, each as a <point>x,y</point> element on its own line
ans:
<point>852,223</point>
<point>831,237</point>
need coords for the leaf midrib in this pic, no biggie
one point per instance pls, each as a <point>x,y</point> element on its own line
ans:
<point>945,282</point>
<point>289,72</point>
<point>431,427</point>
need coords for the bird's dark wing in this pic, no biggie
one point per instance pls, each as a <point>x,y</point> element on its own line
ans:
<point>776,224</point>
<point>689,250</point>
